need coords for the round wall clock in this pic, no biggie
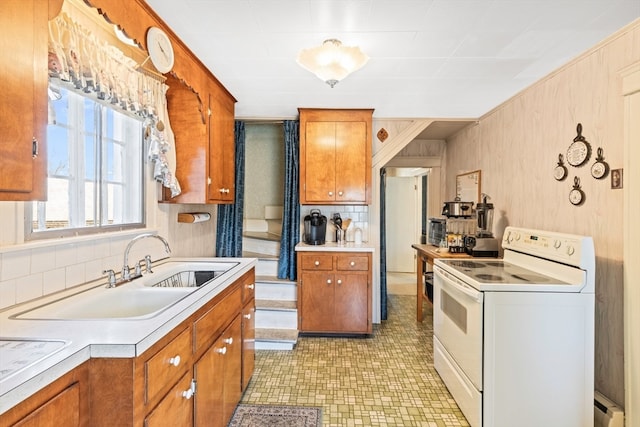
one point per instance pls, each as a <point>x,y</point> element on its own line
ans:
<point>576,195</point>
<point>160,49</point>
<point>600,168</point>
<point>579,150</point>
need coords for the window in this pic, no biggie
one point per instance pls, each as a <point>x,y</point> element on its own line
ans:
<point>95,169</point>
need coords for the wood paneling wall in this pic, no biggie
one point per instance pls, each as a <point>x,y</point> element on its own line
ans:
<point>517,145</point>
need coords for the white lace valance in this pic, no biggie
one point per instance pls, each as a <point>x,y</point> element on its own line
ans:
<point>84,63</point>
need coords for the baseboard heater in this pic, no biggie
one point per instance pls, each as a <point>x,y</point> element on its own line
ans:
<point>606,413</point>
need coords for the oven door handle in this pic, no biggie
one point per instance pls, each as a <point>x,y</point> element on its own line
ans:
<point>458,285</point>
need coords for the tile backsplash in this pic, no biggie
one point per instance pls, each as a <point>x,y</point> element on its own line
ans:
<point>32,270</point>
<point>359,216</point>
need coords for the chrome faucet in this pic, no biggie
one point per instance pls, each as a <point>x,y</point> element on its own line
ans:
<point>126,274</point>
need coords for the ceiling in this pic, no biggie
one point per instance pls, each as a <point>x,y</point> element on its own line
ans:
<point>428,58</point>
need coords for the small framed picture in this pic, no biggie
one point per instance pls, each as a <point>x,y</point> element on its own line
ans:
<point>616,178</point>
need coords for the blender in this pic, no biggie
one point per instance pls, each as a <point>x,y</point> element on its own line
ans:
<point>484,244</point>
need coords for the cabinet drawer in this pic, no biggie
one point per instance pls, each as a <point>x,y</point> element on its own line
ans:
<point>167,366</point>
<point>207,327</point>
<point>248,287</point>
<point>317,262</point>
<point>353,263</point>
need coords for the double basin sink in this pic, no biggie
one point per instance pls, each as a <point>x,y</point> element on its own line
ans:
<point>142,298</point>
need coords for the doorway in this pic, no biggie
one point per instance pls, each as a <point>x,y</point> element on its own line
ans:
<point>405,216</point>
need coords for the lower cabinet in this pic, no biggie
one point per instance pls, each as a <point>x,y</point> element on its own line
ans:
<point>218,378</point>
<point>334,292</point>
<point>61,403</point>
<point>192,376</point>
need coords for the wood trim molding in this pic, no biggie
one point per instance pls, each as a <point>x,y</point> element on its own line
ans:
<point>631,270</point>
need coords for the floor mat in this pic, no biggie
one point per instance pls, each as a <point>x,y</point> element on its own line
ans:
<point>276,416</point>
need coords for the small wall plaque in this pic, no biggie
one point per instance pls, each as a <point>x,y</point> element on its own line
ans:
<point>383,134</point>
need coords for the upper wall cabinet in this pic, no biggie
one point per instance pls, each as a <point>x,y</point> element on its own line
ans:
<point>335,156</point>
<point>23,104</point>
<point>204,137</point>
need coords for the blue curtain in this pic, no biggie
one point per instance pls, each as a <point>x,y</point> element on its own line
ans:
<point>291,209</point>
<point>383,245</point>
<point>229,232</point>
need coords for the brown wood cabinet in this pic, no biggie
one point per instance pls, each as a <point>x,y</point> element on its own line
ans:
<point>334,292</point>
<point>194,375</point>
<point>335,156</point>
<point>205,144</point>
<point>23,104</point>
<point>62,403</point>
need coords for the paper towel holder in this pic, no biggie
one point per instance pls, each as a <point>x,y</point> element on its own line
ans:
<point>193,217</point>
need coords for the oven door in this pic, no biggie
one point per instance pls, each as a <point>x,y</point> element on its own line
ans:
<point>457,322</point>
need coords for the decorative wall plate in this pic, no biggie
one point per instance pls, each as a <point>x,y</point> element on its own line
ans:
<point>579,151</point>
<point>600,168</point>
<point>560,172</point>
<point>576,195</point>
<point>382,134</point>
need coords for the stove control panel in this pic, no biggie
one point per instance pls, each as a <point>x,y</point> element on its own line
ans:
<point>566,248</point>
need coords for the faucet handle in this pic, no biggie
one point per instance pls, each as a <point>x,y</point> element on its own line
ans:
<point>147,263</point>
<point>112,277</point>
<point>138,271</point>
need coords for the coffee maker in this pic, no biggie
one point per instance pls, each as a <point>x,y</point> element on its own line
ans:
<point>315,228</point>
<point>483,244</point>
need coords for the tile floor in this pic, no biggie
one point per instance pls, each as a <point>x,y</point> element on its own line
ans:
<point>385,380</point>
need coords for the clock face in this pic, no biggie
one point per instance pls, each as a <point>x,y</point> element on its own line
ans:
<point>160,49</point>
<point>578,153</point>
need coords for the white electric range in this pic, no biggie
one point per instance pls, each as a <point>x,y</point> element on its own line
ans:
<point>514,337</point>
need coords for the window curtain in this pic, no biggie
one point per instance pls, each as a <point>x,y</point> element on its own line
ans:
<point>383,245</point>
<point>229,231</point>
<point>81,62</point>
<point>291,209</point>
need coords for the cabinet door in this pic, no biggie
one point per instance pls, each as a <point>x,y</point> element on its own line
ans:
<point>351,162</point>
<point>320,162</point>
<point>175,409</point>
<point>316,302</point>
<point>62,410</point>
<point>351,302</point>
<point>23,104</point>
<point>221,187</point>
<point>218,379</point>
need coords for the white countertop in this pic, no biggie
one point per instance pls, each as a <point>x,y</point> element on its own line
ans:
<point>335,247</point>
<point>84,339</point>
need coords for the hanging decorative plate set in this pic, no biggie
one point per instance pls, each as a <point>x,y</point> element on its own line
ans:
<point>578,154</point>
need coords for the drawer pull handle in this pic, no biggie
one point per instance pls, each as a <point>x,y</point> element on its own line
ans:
<point>352,263</point>
<point>251,286</point>
<point>317,263</point>
<point>339,193</point>
<point>331,193</point>
<point>187,394</point>
<point>175,361</point>
<point>247,316</point>
<point>222,350</point>
<point>339,282</point>
<point>228,340</point>
<point>328,281</point>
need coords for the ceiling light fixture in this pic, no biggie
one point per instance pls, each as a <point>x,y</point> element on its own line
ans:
<point>332,62</point>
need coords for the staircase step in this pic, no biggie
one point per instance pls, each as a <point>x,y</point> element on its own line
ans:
<point>276,339</point>
<point>262,243</point>
<point>272,288</point>
<point>273,304</point>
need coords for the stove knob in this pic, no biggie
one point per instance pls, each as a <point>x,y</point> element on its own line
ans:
<point>507,237</point>
<point>570,250</point>
<point>557,244</point>
<point>517,236</point>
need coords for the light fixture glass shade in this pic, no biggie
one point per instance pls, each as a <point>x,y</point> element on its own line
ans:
<point>332,62</point>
